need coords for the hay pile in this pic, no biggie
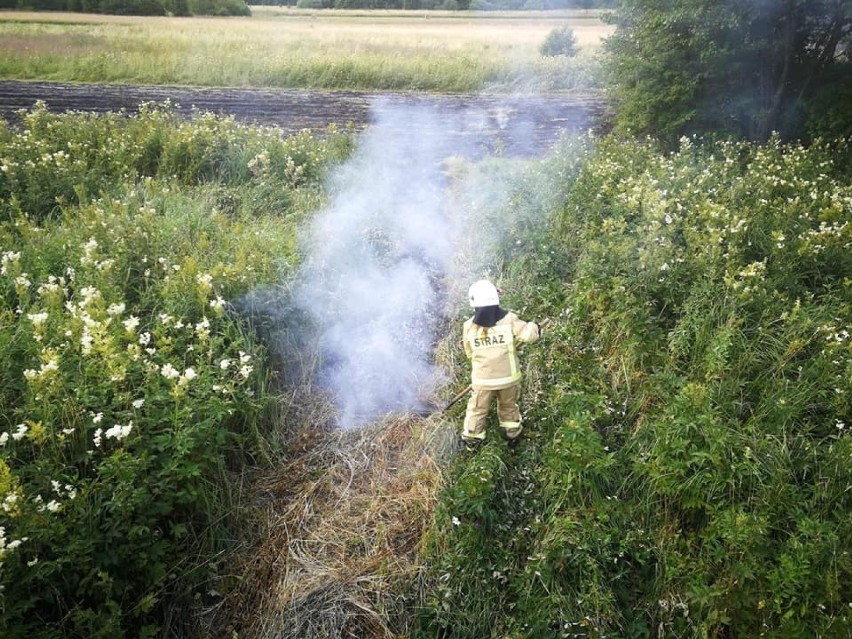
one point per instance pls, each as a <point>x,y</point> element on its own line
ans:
<point>342,524</point>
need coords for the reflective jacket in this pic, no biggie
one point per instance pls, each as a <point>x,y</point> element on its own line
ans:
<point>494,360</point>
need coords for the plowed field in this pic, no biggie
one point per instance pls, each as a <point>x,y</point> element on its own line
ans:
<point>517,125</point>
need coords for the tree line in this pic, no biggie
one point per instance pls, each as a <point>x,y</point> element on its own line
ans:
<point>743,68</point>
<point>445,5</point>
<point>135,7</point>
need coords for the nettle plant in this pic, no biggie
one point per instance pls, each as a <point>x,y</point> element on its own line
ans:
<point>131,391</point>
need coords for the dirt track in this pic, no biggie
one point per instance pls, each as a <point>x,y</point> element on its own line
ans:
<point>518,125</point>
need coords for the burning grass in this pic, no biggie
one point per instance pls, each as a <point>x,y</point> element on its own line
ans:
<point>340,532</point>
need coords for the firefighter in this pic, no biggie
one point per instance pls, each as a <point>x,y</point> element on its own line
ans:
<point>490,340</point>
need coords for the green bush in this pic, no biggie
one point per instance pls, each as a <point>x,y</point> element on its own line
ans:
<point>560,41</point>
<point>132,392</point>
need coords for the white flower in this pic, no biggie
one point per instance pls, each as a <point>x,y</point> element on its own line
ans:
<point>131,323</point>
<point>169,372</point>
<point>8,258</point>
<point>67,431</point>
<point>119,432</point>
<point>190,373</point>
<point>224,364</point>
<point>165,319</point>
<point>4,437</point>
<point>86,341</point>
<point>97,418</point>
<point>20,432</point>
<point>9,502</point>
<point>37,318</point>
<point>245,371</point>
<point>456,521</point>
<point>138,403</point>
<point>98,434</point>
<point>203,328</point>
<point>115,309</point>
<point>53,505</point>
<point>48,289</point>
<point>205,280</point>
<point>51,366</point>
<point>89,294</point>
<point>244,359</point>
<point>145,339</point>
<point>218,304</point>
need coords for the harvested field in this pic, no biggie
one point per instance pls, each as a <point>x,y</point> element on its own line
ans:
<point>518,125</point>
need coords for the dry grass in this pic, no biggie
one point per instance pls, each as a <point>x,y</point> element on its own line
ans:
<point>340,532</point>
<point>288,48</point>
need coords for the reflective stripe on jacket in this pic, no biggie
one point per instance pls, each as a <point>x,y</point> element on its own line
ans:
<point>494,360</point>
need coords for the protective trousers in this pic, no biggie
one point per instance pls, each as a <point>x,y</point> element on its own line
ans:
<point>508,412</point>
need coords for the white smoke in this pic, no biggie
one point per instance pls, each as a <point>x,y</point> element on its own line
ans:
<point>377,259</point>
<point>375,256</point>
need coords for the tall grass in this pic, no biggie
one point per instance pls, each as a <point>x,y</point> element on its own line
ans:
<point>322,50</point>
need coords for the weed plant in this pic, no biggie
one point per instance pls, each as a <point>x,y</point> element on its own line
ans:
<point>131,392</point>
<point>685,470</point>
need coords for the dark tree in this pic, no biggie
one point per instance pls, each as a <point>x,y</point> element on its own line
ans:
<point>741,67</point>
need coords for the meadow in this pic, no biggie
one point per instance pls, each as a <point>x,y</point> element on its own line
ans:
<point>685,471</point>
<point>686,464</point>
<point>416,51</point>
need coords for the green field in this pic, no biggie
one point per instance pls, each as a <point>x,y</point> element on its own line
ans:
<point>301,49</point>
<point>170,464</point>
<point>688,408</point>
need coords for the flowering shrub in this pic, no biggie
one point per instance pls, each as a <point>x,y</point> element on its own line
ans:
<point>686,467</point>
<point>130,390</point>
<point>55,161</point>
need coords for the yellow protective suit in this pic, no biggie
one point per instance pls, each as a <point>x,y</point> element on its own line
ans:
<point>495,372</point>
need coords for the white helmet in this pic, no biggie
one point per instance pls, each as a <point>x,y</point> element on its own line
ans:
<point>483,293</point>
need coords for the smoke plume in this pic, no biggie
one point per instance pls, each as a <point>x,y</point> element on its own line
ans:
<point>377,260</point>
